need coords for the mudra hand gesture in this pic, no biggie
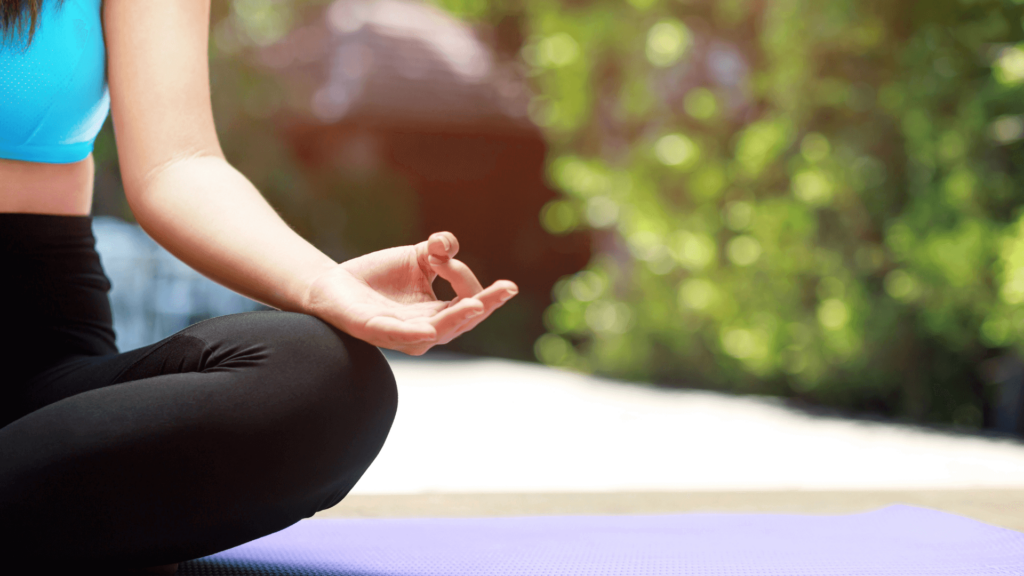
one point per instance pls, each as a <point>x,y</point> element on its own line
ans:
<point>386,299</point>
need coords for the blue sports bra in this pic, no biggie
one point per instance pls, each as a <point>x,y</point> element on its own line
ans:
<point>53,95</point>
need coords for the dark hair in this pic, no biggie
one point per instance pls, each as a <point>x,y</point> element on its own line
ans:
<point>19,18</point>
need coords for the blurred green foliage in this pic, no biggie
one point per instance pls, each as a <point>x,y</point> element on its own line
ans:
<point>793,197</point>
<point>806,198</point>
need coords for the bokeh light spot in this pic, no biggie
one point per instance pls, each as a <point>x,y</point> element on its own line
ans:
<point>557,51</point>
<point>602,212</point>
<point>1012,291</point>
<point>952,146</point>
<point>1008,68</point>
<point>579,177</point>
<point>995,332</point>
<point>646,245</point>
<point>610,317</point>
<point>833,314</point>
<point>901,286</point>
<point>558,217</point>
<point>677,150</point>
<point>701,104</point>
<point>553,350</point>
<point>1007,129</point>
<point>745,344</point>
<point>744,250</point>
<point>959,186</point>
<point>815,148</point>
<point>587,285</point>
<point>814,187</point>
<point>693,251</point>
<point>739,215</point>
<point>761,143</point>
<point>696,294</point>
<point>667,42</point>
<point>263,21</point>
<point>708,181</point>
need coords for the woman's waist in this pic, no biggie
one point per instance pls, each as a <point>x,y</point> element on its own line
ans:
<point>54,292</point>
<point>51,268</point>
<point>39,188</point>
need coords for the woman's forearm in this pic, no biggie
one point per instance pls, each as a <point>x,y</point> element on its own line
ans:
<point>211,217</point>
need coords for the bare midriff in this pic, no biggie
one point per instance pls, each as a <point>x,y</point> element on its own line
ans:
<point>37,188</point>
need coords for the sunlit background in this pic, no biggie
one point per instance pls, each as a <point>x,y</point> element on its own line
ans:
<point>813,199</point>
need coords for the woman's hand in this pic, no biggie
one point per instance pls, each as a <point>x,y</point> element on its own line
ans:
<point>386,299</point>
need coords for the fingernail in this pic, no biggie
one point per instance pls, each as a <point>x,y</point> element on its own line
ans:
<point>474,313</point>
<point>447,244</point>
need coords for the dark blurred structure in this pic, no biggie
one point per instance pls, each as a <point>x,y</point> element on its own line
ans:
<point>403,87</point>
<point>1006,374</point>
<point>153,293</point>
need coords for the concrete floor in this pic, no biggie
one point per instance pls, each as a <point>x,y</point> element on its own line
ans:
<point>997,507</point>
<point>485,437</point>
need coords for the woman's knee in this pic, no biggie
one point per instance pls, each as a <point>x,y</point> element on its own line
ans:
<point>304,353</point>
<point>329,399</point>
<point>344,388</point>
<point>349,400</point>
<point>335,367</point>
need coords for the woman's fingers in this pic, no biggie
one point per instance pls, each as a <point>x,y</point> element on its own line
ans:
<point>493,297</point>
<point>441,249</point>
<point>443,245</point>
<point>497,294</point>
<point>458,275</point>
<point>450,319</point>
<point>415,329</point>
<point>387,331</point>
<point>416,337</point>
<point>440,328</point>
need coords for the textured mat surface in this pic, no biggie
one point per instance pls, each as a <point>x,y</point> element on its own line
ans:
<point>894,541</point>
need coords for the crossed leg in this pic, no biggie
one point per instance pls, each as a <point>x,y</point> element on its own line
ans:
<point>227,431</point>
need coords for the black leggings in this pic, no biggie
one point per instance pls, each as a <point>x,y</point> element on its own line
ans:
<point>232,429</point>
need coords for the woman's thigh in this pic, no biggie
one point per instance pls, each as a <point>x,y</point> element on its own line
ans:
<point>227,431</point>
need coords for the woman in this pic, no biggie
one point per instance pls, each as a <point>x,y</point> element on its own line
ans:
<point>235,427</point>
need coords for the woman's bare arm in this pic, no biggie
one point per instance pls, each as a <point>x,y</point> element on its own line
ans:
<point>190,200</point>
<point>180,188</point>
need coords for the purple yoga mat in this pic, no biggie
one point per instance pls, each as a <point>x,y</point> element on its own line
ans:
<point>894,541</point>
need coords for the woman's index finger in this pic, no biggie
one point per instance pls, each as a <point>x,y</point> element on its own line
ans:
<point>458,275</point>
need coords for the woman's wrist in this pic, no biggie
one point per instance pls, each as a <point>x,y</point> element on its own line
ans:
<point>311,289</point>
